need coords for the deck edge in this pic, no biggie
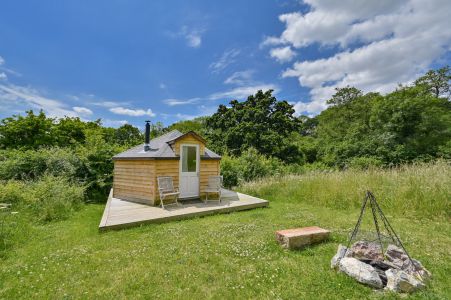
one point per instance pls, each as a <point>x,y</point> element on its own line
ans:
<point>104,220</point>
<point>261,204</point>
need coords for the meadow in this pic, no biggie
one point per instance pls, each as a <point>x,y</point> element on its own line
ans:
<point>235,256</point>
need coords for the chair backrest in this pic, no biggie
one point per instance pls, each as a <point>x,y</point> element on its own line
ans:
<point>165,184</point>
<point>215,182</point>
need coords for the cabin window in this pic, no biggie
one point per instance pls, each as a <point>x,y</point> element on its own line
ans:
<point>189,158</point>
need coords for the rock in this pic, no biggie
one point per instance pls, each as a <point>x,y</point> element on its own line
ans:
<point>341,251</point>
<point>401,281</point>
<point>399,258</point>
<point>366,250</point>
<point>298,238</point>
<point>360,271</point>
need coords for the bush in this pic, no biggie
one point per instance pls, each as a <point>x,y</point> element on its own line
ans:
<point>229,171</point>
<point>249,166</point>
<point>32,164</point>
<point>365,163</point>
<point>48,199</point>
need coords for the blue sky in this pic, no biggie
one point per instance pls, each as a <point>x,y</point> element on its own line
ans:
<point>128,61</point>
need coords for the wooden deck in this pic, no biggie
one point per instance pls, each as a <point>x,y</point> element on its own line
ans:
<point>121,214</point>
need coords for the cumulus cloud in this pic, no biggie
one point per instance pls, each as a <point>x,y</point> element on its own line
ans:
<point>3,76</point>
<point>227,58</point>
<point>82,110</point>
<point>282,54</point>
<point>132,112</point>
<point>381,44</point>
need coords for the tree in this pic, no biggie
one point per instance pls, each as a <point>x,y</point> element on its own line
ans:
<point>31,131</point>
<point>436,82</point>
<point>344,95</point>
<point>128,135</point>
<point>261,122</point>
<point>197,125</point>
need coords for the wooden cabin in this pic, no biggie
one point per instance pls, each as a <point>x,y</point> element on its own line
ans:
<point>184,157</point>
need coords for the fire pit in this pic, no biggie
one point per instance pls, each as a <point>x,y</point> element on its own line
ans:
<point>368,263</point>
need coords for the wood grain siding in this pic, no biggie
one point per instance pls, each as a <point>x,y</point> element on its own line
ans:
<point>189,140</point>
<point>134,180</point>
<point>207,168</point>
<point>166,167</point>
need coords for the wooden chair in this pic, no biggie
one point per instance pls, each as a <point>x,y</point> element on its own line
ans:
<point>167,190</point>
<point>214,186</point>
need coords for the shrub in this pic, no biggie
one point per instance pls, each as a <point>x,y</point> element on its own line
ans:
<point>249,166</point>
<point>365,162</point>
<point>230,171</point>
<point>32,164</point>
<point>48,199</point>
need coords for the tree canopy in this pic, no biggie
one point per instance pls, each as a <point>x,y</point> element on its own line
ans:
<point>261,122</point>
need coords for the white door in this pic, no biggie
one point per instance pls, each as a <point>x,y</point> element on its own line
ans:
<point>189,171</point>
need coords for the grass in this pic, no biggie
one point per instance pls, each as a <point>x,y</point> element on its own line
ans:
<point>231,256</point>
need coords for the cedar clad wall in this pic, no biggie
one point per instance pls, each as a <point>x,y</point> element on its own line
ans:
<point>207,168</point>
<point>166,167</point>
<point>134,180</point>
<point>189,140</point>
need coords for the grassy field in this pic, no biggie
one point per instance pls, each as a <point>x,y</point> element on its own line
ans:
<point>234,256</point>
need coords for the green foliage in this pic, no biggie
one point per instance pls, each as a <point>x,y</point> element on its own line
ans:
<point>249,166</point>
<point>261,122</point>
<point>364,162</point>
<point>344,95</point>
<point>198,125</point>
<point>32,164</point>
<point>48,199</point>
<point>437,82</point>
<point>97,170</point>
<point>400,127</point>
<point>128,135</point>
<point>240,258</point>
<point>36,131</point>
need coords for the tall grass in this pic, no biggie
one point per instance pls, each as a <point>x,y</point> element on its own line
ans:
<point>421,190</point>
<point>48,199</point>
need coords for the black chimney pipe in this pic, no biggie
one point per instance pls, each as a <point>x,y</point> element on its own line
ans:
<point>147,137</point>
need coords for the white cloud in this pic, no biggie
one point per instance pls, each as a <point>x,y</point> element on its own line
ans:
<point>82,110</point>
<point>162,86</point>
<point>110,104</point>
<point>2,61</point>
<point>240,77</point>
<point>20,97</point>
<point>193,37</point>
<point>174,102</point>
<point>3,76</point>
<point>242,92</point>
<point>390,42</point>
<point>132,112</point>
<point>282,54</point>
<point>227,58</point>
<point>113,123</point>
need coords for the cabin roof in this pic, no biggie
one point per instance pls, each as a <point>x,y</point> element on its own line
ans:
<point>161,148</point>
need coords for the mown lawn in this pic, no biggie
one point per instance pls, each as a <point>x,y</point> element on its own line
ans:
<point>231,256</point>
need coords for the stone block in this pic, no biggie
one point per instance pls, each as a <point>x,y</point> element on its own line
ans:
<point>298,238</point>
